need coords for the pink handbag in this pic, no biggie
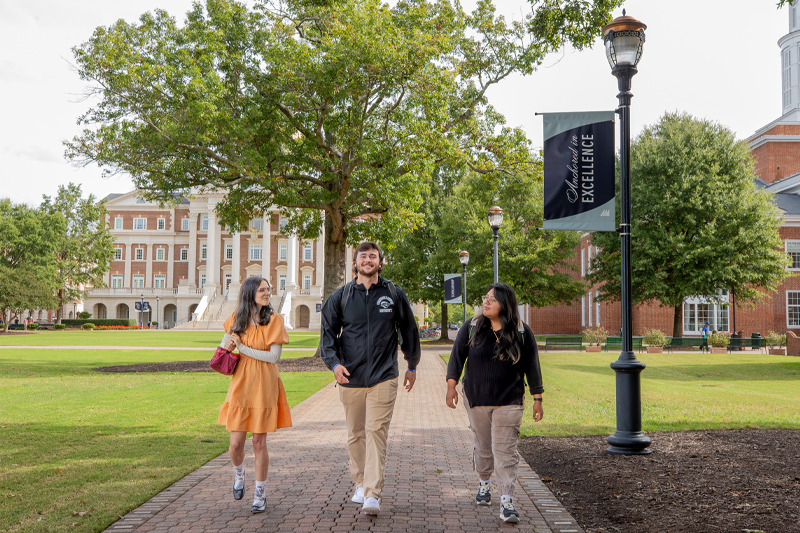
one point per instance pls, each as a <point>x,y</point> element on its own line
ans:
<point>224,361</point>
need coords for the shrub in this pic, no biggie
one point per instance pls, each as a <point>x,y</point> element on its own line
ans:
<point>33,325</point>
<point>60,326</point>
<point>775,340</point>
<point>153,324</point>
<point>719,339</point>
<point>595,336</point>
<point>88,325</point>
<point>84,315</point>
<point>101,321</point>
<point>655,337</point>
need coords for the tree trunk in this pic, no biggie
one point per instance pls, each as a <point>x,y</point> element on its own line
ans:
<point>60,307</point>
<point>677,321</point>
<point>335,248</point>
<point>444,334</point>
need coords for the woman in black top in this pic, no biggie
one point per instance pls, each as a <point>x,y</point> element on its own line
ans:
<point>502,354</point>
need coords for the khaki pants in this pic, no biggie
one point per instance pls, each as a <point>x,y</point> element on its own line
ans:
<point>495,431</point>
<point>368,411</point>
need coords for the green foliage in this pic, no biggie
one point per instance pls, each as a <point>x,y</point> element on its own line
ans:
<point>33,326</point>
<point>100,321</point>
<point>20,290</point>
<point>775,340</point>
<point>655,337</point>
<point>60,326</point>
<point>84,315</point>
<point>342,108</point>
<point>88,325</point>
<point>594,336</point>
<point>719,339</point>
<point>700,227</point>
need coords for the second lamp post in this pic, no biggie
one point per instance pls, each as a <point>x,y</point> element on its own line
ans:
<point>463,256</point>
<point>495,220</point>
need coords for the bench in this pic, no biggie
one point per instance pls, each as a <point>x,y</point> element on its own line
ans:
<point>16,326</point>
<point>616,343</point>
<point>567,340</point>
<point>686,342</point>
<point>752,343</point>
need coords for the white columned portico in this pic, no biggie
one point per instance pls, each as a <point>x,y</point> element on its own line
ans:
<point>128,282</point>
<point>266,249</point>
<point>192,250</point>
<point>212,257</point>
<point>319,274</point>
<point>291,280</point>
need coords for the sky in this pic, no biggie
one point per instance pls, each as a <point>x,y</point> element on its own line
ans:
<point>714,60</point>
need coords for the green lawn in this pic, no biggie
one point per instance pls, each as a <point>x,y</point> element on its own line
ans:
<point>143,338</point>
<point>78,441</point>
<point>680,392</point>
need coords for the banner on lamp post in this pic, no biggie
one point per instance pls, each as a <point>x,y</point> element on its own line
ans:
<point>579,189</point>
<point>452,288</point>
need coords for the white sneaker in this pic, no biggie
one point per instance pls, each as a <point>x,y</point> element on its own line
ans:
<point>372,506</point>
<point>358,497</point>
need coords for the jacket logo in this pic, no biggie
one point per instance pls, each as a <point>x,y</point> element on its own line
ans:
<point>385,302</point>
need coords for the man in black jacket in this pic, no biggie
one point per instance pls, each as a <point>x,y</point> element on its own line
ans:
<point>360,325</point>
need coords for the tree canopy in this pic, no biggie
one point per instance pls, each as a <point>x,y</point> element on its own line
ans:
<point>338,108</point>
<point>699,225</point>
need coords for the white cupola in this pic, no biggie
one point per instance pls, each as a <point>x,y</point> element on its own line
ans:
<point>790,61</point>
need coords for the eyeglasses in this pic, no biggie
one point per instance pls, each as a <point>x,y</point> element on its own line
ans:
<point>489,299</point>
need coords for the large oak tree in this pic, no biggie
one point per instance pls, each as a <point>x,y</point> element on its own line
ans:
<point>339,108</point>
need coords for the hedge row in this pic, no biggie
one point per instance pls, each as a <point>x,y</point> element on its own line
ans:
<point>100,321</point>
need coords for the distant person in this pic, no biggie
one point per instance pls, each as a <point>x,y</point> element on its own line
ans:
<point>706,332</point>
<point>256,401</point>
<point>500,353</point>
<point>360,325</point>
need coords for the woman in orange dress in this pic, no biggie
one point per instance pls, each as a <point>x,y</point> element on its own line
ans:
<point>256,401</point>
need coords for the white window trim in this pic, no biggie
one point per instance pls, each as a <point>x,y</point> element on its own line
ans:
<point>583,310</point>
<point>787,311</point>
<point>161,223</point>
<point>283,247</point>
<point>117,253</point>
<point>186,251</point>
<point>597,308</point>
<point>138,254</point>
<point>284,278</point>
<point>229,248</point>
<point>308,252</point>
<point>583,262</point>
<point>135,220</point>
<point>159,278</point>
<point>786,244</point>
<point>117,277</point>
<point>251,252</point>
<point>184,224</point>
<point>590,309</point>
<point>306,277</point>
<point>118,223</point>
<point>160,251</point>
<point>204,226</point>
<point>203,252</point>
<point>135,278</point>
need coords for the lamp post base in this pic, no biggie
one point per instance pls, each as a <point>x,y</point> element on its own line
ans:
<point>629,443</point>
<point>628,439</point>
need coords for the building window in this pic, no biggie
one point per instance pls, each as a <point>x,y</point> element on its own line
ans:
<point>228,281</point>
<point>159,281</point>
<point>138,254</point>
<point>141,201</point>
<point>583,311</point>
<point>229,252</point>
<point>202,280</point>
<point>590,308</point>
<point>793,308</point>
<point>793,251</point>
<point>138,281</point>
<point>255,252</point>
<point>282,282</point>
<point>140,223</point>
<point>117,254</point>
<point>204,251</point>
<point>583,262</point>
<point>116,281</point>
<point>257,224</point>
<point>282,252</point>
<point>307,253</point>
<point>184,254</point>
<point>697,312</point>
<point>787,79</point>
<point>284,221</point>
<point>161,223</point>
<point>159,254</point>
<point>118,223</point>
<point>597,307</point>
<point>306,281</point>
<point>184,224</point>
<point>205,223</point>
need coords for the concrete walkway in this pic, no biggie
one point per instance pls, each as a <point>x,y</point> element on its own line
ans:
<point>429,486</point>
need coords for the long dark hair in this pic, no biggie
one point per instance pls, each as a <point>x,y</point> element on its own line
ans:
<point>247,306</point>
<point>509,346</point>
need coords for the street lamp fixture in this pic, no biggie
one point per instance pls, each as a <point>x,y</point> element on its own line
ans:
<point>141,313</point>
<point>463,256</point>
<point>495,221</point>
<point>624,40</point>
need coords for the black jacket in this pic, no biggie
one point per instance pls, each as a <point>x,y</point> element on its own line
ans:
<point>363,336</point>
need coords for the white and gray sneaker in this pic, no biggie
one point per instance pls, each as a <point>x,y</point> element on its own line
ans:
<point>507,511</point>
<point>372,506</point>
<point>259,501</point>
<point>358,496</point>
<point>484,496</point>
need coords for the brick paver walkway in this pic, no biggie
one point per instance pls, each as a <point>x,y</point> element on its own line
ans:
<point>429,486</point>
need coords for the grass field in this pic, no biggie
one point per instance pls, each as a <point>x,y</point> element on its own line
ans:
<point>680,392</point>
<point>143,338</point>
<point>78,441</point>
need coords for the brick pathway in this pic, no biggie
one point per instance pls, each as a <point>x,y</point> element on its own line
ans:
<point>429,486</point>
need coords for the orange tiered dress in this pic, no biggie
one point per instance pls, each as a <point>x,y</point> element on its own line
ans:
<point>256,400</point>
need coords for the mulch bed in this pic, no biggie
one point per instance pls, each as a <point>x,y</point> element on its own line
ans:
<point>693,482</point>
<point>300,364</point>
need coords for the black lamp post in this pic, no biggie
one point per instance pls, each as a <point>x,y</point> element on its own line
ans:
<point>158,322</point>
<point>624,39</point>
<point>463,256</point>
<point>141,314</point>
<point>495,220</point>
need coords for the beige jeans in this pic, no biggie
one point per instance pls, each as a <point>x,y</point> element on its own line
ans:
<point>495,431</point>
<point>368,411</point>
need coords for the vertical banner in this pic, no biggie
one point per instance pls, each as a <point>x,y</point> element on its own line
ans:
<point>452,288</point>
<point>579,171</point>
